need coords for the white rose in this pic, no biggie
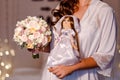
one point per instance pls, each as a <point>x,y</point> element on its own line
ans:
<point>34,24</point>
<point>24,38</point>
<point>40,39</point>
<point>31,37</point>
<point>36,35</point>
<point>20,43</point>
<point>45,41</point>
<point>43,29</point>
<point>27,26</point>
<point>18,29</point>
<point>48,33</point>
<point>16,38</point>
<point>26,31</point>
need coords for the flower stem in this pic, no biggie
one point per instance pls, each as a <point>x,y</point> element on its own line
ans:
<point>35,55</point>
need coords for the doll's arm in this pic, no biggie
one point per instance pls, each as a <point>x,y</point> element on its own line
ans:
<point>74,46</point>
<point>73,43</point>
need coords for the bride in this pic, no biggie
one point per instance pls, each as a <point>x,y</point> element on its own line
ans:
<point>97,39</point>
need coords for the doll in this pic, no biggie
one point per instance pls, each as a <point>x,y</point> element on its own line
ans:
<point>66,45</point>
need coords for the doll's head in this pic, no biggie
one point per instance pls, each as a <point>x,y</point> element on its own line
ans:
<point>67,23</point>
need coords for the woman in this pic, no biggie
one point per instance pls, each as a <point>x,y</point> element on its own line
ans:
<point>97,41</point>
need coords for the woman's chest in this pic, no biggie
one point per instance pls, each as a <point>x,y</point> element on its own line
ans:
<point>89,29</point>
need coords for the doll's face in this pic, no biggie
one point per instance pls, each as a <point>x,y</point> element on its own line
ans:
<point>66,23</point>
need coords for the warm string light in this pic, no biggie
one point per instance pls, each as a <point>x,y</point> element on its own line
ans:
<point>12,52</point>
<point>1,54</point>
<point>2,64</point>
<point>7,52</point>
<point>8,66</point>
<point>0,72</point>
<point>119,65</point>
<point>7,75</point>
<point>118,48</point>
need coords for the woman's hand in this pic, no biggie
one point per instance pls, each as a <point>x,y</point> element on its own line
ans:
<point>61,71</point>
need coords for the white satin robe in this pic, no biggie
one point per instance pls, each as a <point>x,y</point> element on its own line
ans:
<point>97,40</point>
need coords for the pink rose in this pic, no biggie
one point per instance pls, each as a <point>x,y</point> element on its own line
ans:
<point>43,29</point>
<point>24,38</point>
<point>36,35</point>
<point>45,41</point>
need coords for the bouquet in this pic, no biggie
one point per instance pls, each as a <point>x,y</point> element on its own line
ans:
<point>32,33</point>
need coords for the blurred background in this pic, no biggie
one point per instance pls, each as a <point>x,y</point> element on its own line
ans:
<point>17,63</point>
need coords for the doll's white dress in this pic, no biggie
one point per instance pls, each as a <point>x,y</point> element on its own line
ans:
<point>97,38</point>
<point>63,53</point>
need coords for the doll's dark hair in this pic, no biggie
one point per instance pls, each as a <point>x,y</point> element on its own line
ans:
<point>72,26</point>
<point>71,21</point>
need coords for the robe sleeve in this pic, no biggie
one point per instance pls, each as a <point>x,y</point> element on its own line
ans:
<point>57,7</point>
<point>52,28</point>
<point>106,50</point>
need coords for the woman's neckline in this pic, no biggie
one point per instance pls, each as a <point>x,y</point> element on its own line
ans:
<point>85,13</point>
<point>85,4</point>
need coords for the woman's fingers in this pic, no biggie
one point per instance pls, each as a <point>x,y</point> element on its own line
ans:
<point>61,76</point>
<point>60,71</point>
<point>50,69</point>
<point>56,70</point>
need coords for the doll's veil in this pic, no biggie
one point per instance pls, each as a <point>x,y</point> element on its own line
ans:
<point>76,24</point>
